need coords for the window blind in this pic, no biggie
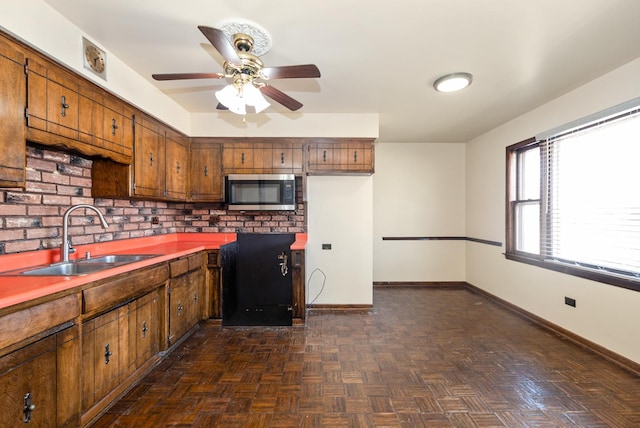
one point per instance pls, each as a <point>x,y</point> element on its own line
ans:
<point>591,177</point>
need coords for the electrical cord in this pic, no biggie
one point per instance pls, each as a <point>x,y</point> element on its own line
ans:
<point>324,279</point>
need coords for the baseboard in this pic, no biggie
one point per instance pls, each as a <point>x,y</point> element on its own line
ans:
<point>340,308</point>
<point>432,284</point>
<point>605,353</point>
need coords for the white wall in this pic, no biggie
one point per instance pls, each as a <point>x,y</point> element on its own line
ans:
<point>42,27</point>
<point>419,190</point>
<point>605,314</point>
<point>339,212</point>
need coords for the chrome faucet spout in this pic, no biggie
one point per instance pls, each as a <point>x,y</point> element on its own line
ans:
<point>65,248</point>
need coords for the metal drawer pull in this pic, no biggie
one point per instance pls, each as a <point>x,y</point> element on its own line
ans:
<point>144,329</point>
<point>107,354</point>
<point>28,408</point>
<point>64,106</point>
<point>113,127</point>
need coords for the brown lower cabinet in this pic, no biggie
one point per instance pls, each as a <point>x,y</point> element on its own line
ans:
<point>186,291</point>
<point>39,358</point>
<point>63,362</point>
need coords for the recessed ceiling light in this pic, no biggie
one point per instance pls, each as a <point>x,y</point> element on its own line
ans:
<point>453,82</point>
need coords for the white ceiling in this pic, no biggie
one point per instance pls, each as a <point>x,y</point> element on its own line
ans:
<point>382,56</point>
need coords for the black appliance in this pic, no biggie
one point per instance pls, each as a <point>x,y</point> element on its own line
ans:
<point>257,287</point>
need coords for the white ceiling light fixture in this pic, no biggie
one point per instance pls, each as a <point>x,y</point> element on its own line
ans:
<point>453,82</point>
<point>239,95</point>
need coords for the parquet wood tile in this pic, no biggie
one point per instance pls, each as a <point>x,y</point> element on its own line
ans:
<point>421,358</point>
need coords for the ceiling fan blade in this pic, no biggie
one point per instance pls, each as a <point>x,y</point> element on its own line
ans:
<point>219,41</point>
<point>278,96</point>
<point>291,71</point>
<point>180,76</point>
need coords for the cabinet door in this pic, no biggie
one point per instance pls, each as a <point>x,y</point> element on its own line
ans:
<point>28,381</point>
<point>178,306</point>
<point>341,157</point>
<point>101,354</point>
<point>12,132</point>
<point>116,126</point>
<point>147,328</point>
<point>185,303</point>
<point>237,158</point>
<point>321,157</point>
<point>177,166</point>
<point>287,158</point>
<point>206,172</point>
<point>149,159</point>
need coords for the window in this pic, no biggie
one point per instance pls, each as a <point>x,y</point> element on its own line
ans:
<point>573,198</point>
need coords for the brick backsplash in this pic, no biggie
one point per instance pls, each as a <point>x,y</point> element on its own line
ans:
<point>31,219</point>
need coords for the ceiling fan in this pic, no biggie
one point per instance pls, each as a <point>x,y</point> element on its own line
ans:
<point>248,72</point>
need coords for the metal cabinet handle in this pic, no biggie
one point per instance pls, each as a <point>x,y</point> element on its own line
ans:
<point>195,297</point>
<point>107,354</point>
<point>28,408</point>
<point>324,156</point>
<point>177,167</point>
<point>206,171</point>
<point>180,308</point>
<point>64,106</point>
<point>144,329</point>
<point>284,267</point>
<point>113,127</point>
<point>355,156</point>
<point>282,158</point>
<point>151,159</point>
<point>242,158</point>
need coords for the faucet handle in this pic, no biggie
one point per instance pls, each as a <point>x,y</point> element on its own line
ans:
<point>70,247</point>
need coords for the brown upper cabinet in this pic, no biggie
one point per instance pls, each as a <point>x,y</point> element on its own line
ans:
<point>66,111</point>
<point>344,156</point>
<point>205,171</point>
<point>12,129</point>
<point>262,156</point>
<point>160,166</point>
<point>177,166</point>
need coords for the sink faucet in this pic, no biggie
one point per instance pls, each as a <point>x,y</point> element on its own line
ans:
<point>66,247</point>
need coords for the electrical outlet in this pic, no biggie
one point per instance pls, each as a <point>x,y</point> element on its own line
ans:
<point>326,246</point>
<point>569,301</point>
<point>155,220</point>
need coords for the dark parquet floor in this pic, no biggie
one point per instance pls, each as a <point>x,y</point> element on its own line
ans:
<point>422,358</point>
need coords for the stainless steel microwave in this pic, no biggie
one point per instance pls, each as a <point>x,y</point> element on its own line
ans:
<point>268,192</point>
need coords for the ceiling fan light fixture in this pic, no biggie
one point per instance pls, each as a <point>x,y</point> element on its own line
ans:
<point>453,82</point>
<point>236,97</point>
<point>231,98</point>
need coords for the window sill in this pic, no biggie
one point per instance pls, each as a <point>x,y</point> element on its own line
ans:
<point>582,272</point>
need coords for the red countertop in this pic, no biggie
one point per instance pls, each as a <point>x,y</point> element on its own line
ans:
<point>19,289</point>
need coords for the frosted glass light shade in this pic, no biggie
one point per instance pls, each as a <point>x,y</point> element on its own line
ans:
<point>230,97</point>
<point>236,99</point>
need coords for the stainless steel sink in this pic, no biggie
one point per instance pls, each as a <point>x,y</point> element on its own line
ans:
<point>84,266</point>
<point>118,258</point>
<point>68,268</point>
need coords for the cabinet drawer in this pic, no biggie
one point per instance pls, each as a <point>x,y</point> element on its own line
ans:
<point>185,264</point>
<point>212,258</point>
<point>37,319</point>
<point>113,292</point>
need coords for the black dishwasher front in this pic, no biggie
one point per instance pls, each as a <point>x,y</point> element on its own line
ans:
<point>262,292</point>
